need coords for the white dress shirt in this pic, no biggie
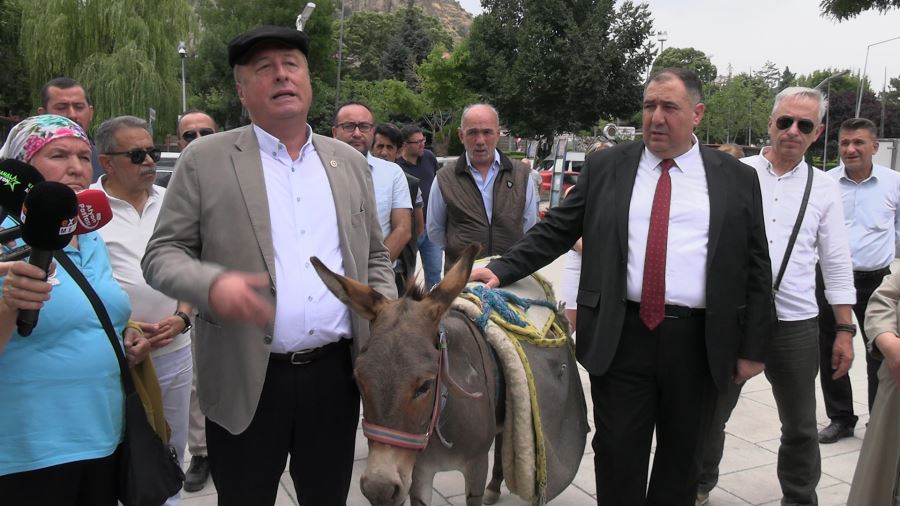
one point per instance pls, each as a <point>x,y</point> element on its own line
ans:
<point>126,237</point>
<point>822,234</point>
<point>304,224</point>
<point>688,236</point>
<point>872,216</point>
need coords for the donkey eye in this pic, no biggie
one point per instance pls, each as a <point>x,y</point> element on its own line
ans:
<point>423,389</point>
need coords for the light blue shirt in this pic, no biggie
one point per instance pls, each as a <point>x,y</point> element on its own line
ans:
<point>872,216</point>
<point>391,190</point>
<point>437,209</point>
<point>60,388</point>
<point>304,224</point>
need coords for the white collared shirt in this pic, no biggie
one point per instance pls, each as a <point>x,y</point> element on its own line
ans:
<point>304,224</point>
<point>688,236</point>
<point>822,234</point>
<point>126,236</point>
<point>872,216</point>
<point>391,190</point>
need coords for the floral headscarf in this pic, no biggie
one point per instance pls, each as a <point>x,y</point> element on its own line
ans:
<point>32,134</point>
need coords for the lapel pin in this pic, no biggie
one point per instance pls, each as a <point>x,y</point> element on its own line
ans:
<point>333,164</point>
<point>509,184</point>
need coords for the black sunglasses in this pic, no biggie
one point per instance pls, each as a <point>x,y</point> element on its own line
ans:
<point>193,134</point>
<point>139,155</point>
<point>804,125</point>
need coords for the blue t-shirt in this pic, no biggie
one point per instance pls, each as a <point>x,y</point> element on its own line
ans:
<point>61,394</point>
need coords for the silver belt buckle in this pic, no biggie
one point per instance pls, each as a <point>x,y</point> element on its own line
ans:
<point>296,357</point>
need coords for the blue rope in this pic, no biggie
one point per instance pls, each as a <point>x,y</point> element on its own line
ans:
<point>497,300</point>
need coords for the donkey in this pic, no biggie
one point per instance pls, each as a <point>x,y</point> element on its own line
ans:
<point>428,385</point>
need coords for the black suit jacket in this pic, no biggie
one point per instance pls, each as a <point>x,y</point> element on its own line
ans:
<point>739,307</point>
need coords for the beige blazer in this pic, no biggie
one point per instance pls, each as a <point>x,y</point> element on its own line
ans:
<point>215,217</point>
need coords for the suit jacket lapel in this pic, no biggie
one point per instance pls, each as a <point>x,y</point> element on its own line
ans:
<point>337,169</point>
<point>626,172</point>
<point>247,167</point>
<point>717,187</point>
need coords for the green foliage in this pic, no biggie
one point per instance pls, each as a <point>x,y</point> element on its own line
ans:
<point>845,9</point>
<point>687,58</point>
<point>123,52</point>
<point>442,78</point>
<point>15,99</point>
<point>210,79</point>
<point>788,78</point>
<point>841,84</point>
<point>770,74</point>
<point>389,100</point>
<point>558,65</point>
<point>734,106</point>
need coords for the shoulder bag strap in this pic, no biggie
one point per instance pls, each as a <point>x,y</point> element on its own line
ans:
<point>70,267</point>
<point>793,239</point>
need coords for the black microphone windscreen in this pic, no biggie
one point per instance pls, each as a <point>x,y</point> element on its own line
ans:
<point>16,180</point>
<point>48,216</point>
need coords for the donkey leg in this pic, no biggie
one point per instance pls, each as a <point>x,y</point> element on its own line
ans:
<point>492,494</point>
<point>420,489</point>
<point>475,474</point>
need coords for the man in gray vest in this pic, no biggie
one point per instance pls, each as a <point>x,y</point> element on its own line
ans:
<point>485,198</point>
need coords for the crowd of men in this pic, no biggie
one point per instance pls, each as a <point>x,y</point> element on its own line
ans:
<point>773,258</point>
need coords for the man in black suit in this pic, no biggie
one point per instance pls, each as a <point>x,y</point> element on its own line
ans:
<point>675,297</point>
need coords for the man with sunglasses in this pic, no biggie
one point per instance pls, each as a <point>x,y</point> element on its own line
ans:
<point>129,159</point>
<point>871,195</point>
<point>792,358</point>
<point>194,124</point>
<point>246,210</point>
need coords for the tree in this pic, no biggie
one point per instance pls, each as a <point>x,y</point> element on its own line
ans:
<point>123,52</point>
<point>15,99</point>
<point>770,74</point>
<point>388,99</point>
<point>551,66</point>
<point>892,95</point>
<point>687,58</point>
<point>845,9</point>
<point>788,78</point>
<point>442,77</point>
<point>737,111</point>
<point>211,80</point>
<point>848,82</point>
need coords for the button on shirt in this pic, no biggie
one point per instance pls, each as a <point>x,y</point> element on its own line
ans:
<point>126,237</point>
<point>437,209</point>
<point>688,236</point>
<point>391,190</point>
<point>822,234</point>
<point>871,215</point>
<point>304,224</point>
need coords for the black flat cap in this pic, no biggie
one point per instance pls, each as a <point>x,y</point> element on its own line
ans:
<point>241,47</point>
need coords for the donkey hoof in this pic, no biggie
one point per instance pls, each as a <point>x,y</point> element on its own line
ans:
<point>490,497</point>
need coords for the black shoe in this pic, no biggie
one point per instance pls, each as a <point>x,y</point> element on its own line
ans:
<point>197,474</point>
<point>834,432</point>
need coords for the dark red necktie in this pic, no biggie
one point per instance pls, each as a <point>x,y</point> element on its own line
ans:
<point>653,291</point>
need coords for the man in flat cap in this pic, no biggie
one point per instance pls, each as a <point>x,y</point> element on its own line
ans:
<point>246,210</point>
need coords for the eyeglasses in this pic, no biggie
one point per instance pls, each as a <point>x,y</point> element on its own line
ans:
<point>139,155</point>
<point>420,141</point>
<point>804,125</point>
<point>350,126</point>
<point>193,134</point>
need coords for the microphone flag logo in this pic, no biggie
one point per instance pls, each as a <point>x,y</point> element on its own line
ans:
<point>87,218</point>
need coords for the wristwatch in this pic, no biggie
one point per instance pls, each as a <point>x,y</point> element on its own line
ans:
<point>846,327</point>
<point>187,321</point>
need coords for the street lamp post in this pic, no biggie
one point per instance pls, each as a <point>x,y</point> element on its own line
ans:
<point>182,51</point>
<point>827,82</point>
<point>662,37</point>
<point>862,77</point>
<point>304,16</point>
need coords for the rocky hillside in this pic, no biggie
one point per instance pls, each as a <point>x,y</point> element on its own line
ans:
<point>454,18</point>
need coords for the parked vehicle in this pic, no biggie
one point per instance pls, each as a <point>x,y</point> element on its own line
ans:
<point>165,166</point>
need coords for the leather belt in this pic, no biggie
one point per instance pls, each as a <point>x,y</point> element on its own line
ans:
<point>672,311</point>
<point>304,357</point>
<point>880,273</point>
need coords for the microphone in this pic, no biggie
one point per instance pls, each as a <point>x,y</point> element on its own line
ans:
<point>93,211</point>
<point>16,181</point>
<point>48,223</point>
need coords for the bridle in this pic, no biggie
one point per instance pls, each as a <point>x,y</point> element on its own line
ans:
<point>408,440</point>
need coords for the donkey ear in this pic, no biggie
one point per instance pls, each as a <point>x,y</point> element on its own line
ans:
<point>361,299</point>
<point>443,293</point>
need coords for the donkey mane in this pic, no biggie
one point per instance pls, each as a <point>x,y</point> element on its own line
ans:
<point>415,291</point>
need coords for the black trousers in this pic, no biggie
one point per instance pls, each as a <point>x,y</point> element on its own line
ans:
<point>309,412</point>
<point>837,393</point>
<point>658,380</point>
<point>81,483</point>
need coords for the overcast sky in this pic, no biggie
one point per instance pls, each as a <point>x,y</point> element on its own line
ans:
<point>787,32</point>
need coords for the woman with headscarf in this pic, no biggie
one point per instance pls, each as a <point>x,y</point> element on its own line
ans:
<point>61,400</point>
